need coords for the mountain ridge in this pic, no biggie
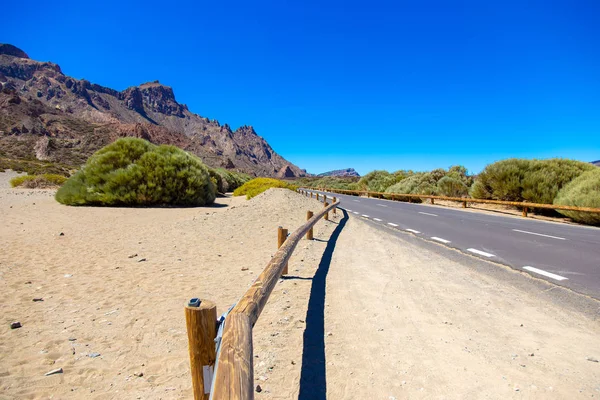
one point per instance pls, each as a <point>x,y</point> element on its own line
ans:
<point>341,172</point>
<point>47,115</point>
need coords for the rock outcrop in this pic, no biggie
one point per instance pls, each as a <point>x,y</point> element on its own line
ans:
<point>341,172</point>
<point>78,117</point>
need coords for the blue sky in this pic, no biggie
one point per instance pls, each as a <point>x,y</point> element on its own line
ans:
<point>336,84</point>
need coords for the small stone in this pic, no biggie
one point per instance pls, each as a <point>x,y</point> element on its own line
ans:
<point>68,275</point>
<point>15,325</point>
<point>531,355</point>
<point>263,378</point>
<point>141,260</point>
<point>517,389</point>
<point>592,359</point>
<point>245,268</point>
<point>37,299</point>
<point>93,355</point>
<point>54,371</point>
<point>139,374</point>
<point>329,334</point>
<point>133,255</point>
<point>61,234</point>
<point>258,389</point>
<point>72,339</point>
<point>28,283</point>
<point>293,362</point>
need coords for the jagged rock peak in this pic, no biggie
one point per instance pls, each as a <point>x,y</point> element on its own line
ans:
<point>11,50</point>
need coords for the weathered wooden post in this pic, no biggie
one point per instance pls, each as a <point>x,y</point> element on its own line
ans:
<point>326,216</point>
<point>317,196</point>
<point>525,212</point>
<point>309,234</point>
<point>201,321</point>
<point>334,201</point>
<point>432,201</point>
<point>281,236</point>
<point>464,204</point>
<point>324,198</point>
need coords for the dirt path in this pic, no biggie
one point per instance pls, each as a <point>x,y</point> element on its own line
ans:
<point>404,322</point>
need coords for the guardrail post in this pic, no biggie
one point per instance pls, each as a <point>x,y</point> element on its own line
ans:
<point>317,196</point>
<point>326,216</point>
<point>201,322</point>
<point>324,198</point>
<point>464,204</point>
<point>432,202</point>
<point>334,201</point>
<point>309,234</point>
<point>525,212</point>
<point>281,236</point>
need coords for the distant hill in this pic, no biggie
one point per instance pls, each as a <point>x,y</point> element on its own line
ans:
<point>341,172</point>
<point>596,163</point>
<point>47,115</point>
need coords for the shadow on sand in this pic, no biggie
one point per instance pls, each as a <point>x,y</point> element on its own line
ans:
<point>313,381</point>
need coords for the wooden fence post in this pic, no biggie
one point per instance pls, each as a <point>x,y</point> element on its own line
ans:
<point>525,212</point>
<point>326,216</point>
<point>201,321</point>
<point>432,201</point>
<point>317,196</point>
<point>464,204</point>
<point>324,198</point>
<point>334,201</point>
<point>309,234</point>
<point>281,236</point>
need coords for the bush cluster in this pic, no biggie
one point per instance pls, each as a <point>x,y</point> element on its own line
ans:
<point>583,191</point>
<point>536,181</point>
<point>228,181</point>
<point>333,182</point>
<point>453,182</point>
<point>134,172</point>
<point>258,185</point>
<point>38,181</point>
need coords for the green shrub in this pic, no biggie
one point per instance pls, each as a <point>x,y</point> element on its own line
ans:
<point>38,181</point>
<point>452,187</point>
<point>134,172</point>
<point>333,182</point>
<point>536,181</point>
<point>258,185</point>
<point>583,191</point>
<point>379,181</point>
<point>227,181</point>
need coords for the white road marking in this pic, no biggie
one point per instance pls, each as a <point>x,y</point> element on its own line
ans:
<point>481,253</point>
<point>389,223</point>
<point>349,210</point>
<point>356,213</point>
<point>377,219</point>
<point>539,234</point>
<point>548,274</point>
<point>424,213</point>
<point>413,231</point>
<point>366,216</point>
<point>358,201</point>
<point>381,205</point>
<point>440,239</point>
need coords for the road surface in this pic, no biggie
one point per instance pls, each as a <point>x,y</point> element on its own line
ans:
<point>568,255</point>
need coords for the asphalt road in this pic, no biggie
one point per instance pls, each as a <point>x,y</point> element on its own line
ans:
<point>568,255</point>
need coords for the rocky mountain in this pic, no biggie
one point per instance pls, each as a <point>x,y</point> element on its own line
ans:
<point>341,172</point>
<point>596,163</point>
<point>47,115</point>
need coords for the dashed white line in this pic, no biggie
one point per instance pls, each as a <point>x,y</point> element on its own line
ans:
<point>381,205</point>
<point>349,210</point>
<point>392,224</point>
<point>481,253</point>
<point>356,212</point>
<point>358,201</point>
<point>548,274</point>
<point>424,213</point>
<point>539,234</point>
<point>376,219</point>
<point>413,231</point>
<point>365,215</point>
<point>440,239</point>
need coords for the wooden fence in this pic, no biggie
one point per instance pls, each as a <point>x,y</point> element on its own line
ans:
<point>525,206</point>
<point>231,357</point>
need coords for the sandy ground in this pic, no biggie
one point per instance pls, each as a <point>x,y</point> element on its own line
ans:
<point>364,314</point>
<point>99,296</point>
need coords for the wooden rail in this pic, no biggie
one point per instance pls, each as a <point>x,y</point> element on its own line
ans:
<point>397,196</point>
<point>234,371</point>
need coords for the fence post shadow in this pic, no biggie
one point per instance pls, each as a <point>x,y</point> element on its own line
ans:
<point>313,380</point>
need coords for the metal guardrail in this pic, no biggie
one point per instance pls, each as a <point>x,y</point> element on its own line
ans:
<point>464,200</point>
<point>226,371</point>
